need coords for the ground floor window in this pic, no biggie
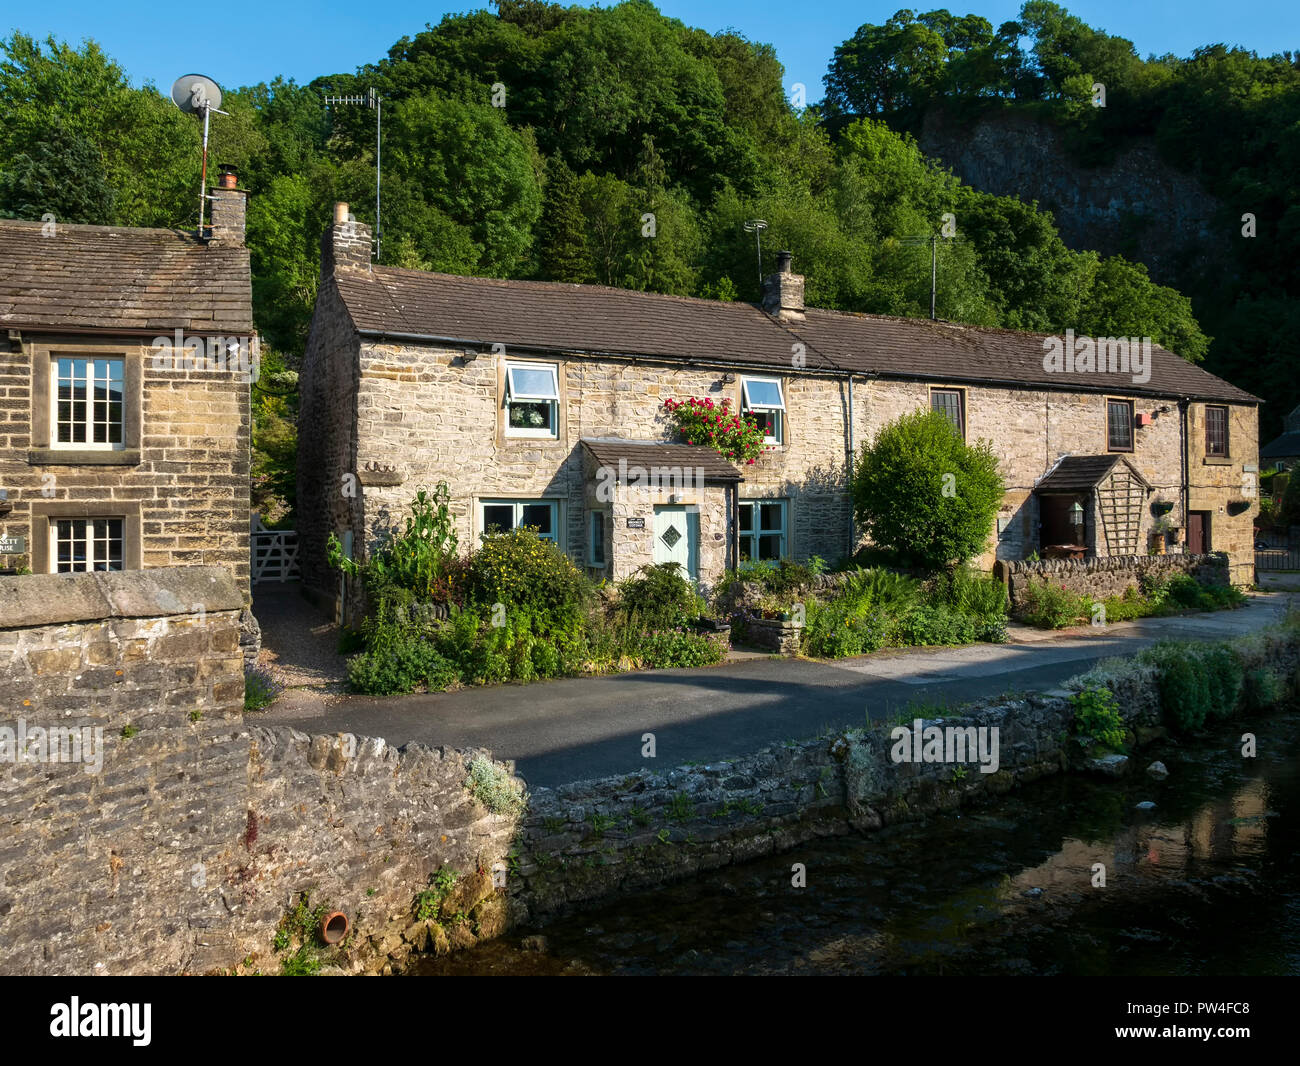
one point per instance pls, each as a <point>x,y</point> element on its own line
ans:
<point>762,529</point>
<point>83,544</point>
<point>596,539</point>
<point>501,516</point>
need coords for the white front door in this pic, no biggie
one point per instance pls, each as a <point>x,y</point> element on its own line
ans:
<point>677,538</point>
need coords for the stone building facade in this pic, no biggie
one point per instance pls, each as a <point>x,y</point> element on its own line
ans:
<point>124,382</point>
<point>508,391</point>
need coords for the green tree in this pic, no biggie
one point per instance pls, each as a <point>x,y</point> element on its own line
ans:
<point>923,494</point>
<point>562,252</point>
<point>61,175</point>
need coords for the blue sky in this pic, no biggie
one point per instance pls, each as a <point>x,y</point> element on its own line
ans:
<point>241,44</point>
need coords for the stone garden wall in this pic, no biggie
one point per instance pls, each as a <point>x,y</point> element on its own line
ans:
<point>1109,576</point>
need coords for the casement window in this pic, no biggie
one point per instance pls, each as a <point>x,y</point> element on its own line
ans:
<point>501,516</point>
<point>532,400</point>
<point>85,544</point>
<point>1216,431</point>
<point>762,529</point>
<point>763,401</point>
<point>951,402</point>
<point>1119,425</point>
<point>87,406</point>
<point>596,521</point>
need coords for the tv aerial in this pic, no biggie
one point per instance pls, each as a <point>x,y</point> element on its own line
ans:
<point>756,226</point>
<point>197,94</point>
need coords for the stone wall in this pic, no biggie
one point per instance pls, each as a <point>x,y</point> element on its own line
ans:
<point>1110,576</point>
<point>180,484</point>
<point>176,838</point>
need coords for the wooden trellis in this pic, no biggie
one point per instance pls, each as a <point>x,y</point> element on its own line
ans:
<point>1119,501</point>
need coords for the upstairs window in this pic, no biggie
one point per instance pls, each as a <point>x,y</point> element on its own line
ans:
<point>1119,425</point>
<point>532,400</point>
<point>762,400</point>
<point>87,408</point>
<point>1216,431</point>
<point>950,402</point>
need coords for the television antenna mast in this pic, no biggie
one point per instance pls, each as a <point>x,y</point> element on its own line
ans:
<point>932,240</point>
<point>375,102</point>
<point>196,94</point>
<point>756,226</point>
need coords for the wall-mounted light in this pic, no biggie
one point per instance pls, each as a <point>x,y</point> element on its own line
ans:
<point>728,379</point>
<point>1076,514</point>
<point>467,357</point>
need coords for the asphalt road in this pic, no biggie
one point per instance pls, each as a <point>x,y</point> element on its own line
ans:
<point>582,728</point>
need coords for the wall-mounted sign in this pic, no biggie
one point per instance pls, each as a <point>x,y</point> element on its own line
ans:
<point>13,545</point>
<point>636,523</point>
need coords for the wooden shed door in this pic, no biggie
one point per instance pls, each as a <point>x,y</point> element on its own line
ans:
<point>1198,532</point>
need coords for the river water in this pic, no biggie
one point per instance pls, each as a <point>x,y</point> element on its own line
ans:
<point>1206,883</point>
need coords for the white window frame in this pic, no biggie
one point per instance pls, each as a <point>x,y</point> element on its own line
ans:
<point>91,559</point>
<point>551,432</point>
<point>756,530</point>
<point>777,409</point>
<point>596,539</point>
<point>86,426</point>
<point>518,512</point>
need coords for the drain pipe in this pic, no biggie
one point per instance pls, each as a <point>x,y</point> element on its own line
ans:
<point>1187,489</point>
<point>849,473</point>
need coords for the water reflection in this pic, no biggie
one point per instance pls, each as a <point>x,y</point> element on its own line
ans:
<point>1207,882</point>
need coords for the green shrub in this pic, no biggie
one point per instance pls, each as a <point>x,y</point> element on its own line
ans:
<point>1132,604</point>
<point>1051,606</point>
<point>842,628</point>
<point>973,593</point>
<point>527,573</point>
<point>1262,690</point>
<point>936,625</point>
<point>881,589</point>
<point>658,592</point>
<point>397,659</point>
<point>261,689</point>
<point>1225,675</point>
<point>1096,715</point>
<point>665,649</point>
<point>920,491</point>
<point>1184,684</point>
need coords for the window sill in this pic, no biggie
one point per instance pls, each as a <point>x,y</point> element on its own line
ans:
<point>86,457</point>
<point>1218,460</point>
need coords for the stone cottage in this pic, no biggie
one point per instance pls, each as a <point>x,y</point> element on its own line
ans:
<point>125,380</point>
<point>541,404</point>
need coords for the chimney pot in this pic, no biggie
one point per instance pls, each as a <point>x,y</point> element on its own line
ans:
<point>340,213</point>
<point>783,260</point>
<point>229,176</point>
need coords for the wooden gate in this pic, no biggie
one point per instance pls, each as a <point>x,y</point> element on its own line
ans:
<point>274,553</point>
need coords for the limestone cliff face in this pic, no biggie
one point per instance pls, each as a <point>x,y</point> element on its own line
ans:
<point>1138,205</point>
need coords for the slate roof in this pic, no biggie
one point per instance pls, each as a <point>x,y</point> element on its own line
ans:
<point>121,278</point>
<point>594,319</point>
<point>645,455</point>
<point>1284,447</point>
<point>1081,473</point>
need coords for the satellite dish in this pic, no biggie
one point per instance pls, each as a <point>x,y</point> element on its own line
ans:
<point>195,93</point>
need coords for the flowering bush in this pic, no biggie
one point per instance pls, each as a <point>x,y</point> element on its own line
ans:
<point>732,435</point>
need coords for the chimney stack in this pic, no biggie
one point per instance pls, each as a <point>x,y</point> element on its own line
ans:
<point>783,291</point>
<point>228,210</point>
<point>346,244</point>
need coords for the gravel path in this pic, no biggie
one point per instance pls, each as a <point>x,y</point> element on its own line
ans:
<point>299,644</point>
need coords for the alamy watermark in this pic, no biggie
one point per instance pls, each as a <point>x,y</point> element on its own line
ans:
<point>946,744</point>
<point>53,744</point>
<point>237,355</point>
<point>678,479</point>
<point>1100,355</point>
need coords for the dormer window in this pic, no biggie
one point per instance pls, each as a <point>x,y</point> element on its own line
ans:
<point>532,400</point>
<point>763,402</point>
